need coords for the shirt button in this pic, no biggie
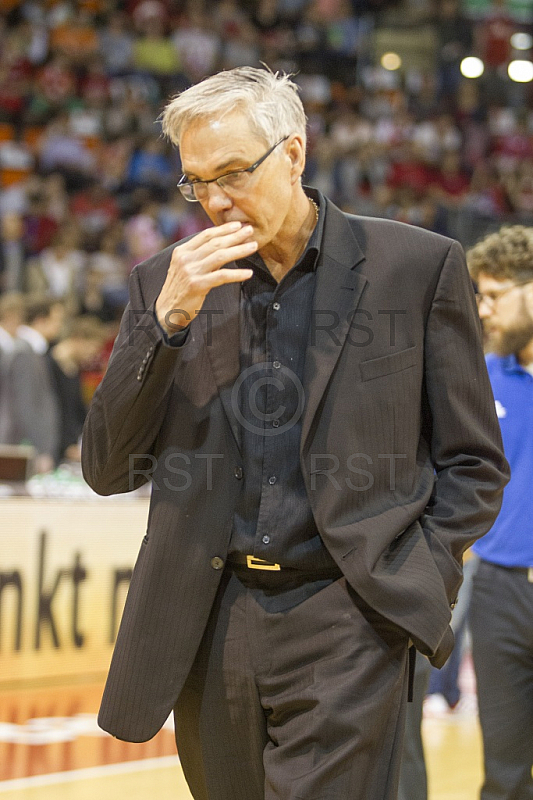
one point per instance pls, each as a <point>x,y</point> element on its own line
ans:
<point>276,365</point>
<point>272,480</point>
<point>238,473</point>
<point>275,423</point>
<point>266,539</point>
<point>276,306</point>
<point>217,563</point>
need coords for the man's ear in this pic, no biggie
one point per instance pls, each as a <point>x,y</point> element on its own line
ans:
<point>528,297</point>
<point>296,153</point>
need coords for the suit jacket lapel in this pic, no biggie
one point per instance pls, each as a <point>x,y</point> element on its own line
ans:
<point>220,325</point>
<point>338,292</point>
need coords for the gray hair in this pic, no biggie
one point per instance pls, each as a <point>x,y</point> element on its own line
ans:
<point>269,99</point>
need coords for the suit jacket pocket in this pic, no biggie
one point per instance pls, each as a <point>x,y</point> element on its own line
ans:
<point>387,365</point>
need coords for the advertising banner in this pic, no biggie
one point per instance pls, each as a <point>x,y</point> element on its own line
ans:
<point>65,568</point>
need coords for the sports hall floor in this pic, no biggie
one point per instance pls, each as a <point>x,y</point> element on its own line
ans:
<point>52,749</point>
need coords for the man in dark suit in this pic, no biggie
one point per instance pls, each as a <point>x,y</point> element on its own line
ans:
<point>35,411</point>
<point>307,392</point>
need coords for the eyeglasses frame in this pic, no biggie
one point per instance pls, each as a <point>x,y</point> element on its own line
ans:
<point>189,185</point>
<point>490,301</point>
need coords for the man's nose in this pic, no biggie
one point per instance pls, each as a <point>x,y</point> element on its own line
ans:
<point>217,199</point>
<point>484,309</point>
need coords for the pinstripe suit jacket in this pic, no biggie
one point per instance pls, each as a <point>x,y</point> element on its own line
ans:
<point>400,448</point>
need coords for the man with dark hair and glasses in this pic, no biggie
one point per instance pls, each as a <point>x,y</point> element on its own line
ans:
<point>501,610</point>
<point>306,391</point>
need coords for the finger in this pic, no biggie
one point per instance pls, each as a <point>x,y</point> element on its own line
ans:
<point>213,261</point>
<point>212,233</point>
<point>222,276</point>
<point>226,240</point>
<point>184,255</point>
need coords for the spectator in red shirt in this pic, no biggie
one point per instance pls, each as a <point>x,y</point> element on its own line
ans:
<point>40,226</point>
<point>16,74</point>
<point>95,84</point>
<point>96,210</point>
<point>513,147</point>
<point>451,183</point>
<point>57,81</point>
<point>493,35</point>
<point>409,169</point>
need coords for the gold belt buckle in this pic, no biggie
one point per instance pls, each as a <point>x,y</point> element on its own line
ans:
<point>259,563</point>
<point>530,574</point>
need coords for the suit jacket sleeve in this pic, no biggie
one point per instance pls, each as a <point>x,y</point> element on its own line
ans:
<point>467,450</point>
<point>130,404</point>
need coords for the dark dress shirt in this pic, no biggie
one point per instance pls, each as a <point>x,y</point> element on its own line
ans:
<point>273,519</point>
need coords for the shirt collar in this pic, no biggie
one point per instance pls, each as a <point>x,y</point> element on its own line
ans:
<point>315,240</point>
<point>510,364</point>
<point>7,343</point>
<point>35,339</point>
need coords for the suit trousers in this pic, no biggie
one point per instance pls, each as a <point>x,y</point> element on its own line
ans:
<point>294,702</point>
<point>501,614</point>
<point>413,774</point>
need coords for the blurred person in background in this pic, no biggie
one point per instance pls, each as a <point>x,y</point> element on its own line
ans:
<point>154,51</point>
<point>142,232</point>
<point>454,42</point>
<point>94,300</point>
<point>40,224</point>
<point>11,318</point>
<point>62,150</point>
<point>445,693</point>
<point>501,610</point>
<point>197,42</point>
<point>34,407</point>
<point>12,252</point>
<point>58,270</point>
<point>116,43</point>
<point>55,197</point>
<point>150,165</point>
<point>77,350</point>
<point>75,37</point>
<point>94,210</point>
<point>110,261</point>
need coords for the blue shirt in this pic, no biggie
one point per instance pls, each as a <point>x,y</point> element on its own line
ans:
<point>509,543</point>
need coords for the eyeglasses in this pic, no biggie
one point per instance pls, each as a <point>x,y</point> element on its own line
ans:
<point>232,182</point>
<point>491,298</point>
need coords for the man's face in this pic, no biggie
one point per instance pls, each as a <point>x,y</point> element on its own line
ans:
<point>210,149</point>
<point>505,314</point>
<point>54,322</point>
<point>86,351</point>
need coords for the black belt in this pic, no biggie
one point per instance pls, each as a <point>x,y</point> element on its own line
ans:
<point>246,564</point>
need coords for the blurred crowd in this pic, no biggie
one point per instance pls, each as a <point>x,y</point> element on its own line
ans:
<point>88,184</point>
